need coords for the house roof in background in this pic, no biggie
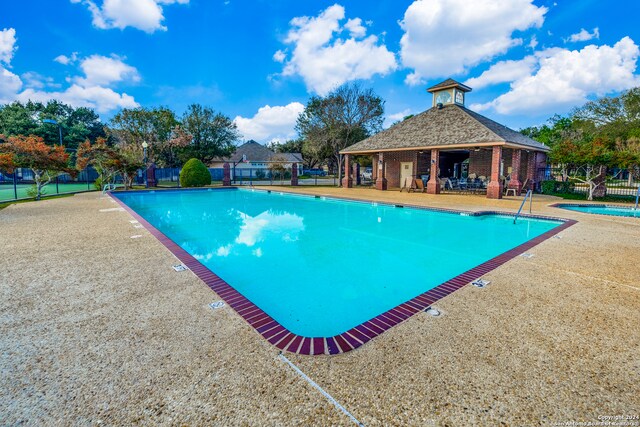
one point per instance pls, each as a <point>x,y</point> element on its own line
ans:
<point>256,152</point>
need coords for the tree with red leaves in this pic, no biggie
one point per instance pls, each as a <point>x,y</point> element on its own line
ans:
<point>31,152</point>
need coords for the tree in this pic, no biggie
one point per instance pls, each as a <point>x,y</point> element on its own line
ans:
<point>289,146</point>
<point>31,152</point>
<point>277,166</point>
<point>214,134</point>
<point>77,124</point>
<point>133,126</point>
<point>109,161</point>
<point>552,132</point>
<point>345,116</point>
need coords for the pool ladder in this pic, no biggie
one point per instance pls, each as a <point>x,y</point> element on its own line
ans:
<point>530,196</point>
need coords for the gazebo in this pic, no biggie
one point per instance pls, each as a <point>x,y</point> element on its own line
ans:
<point>450,142</point>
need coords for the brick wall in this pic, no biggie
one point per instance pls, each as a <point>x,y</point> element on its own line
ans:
<point>480,162</point>
<point>392,164</point>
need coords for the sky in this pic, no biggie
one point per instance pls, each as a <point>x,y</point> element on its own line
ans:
<point>259,62</point>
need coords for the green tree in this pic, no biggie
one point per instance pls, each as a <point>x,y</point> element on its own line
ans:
<point>213,134</point>
<point>133,126</point>
<point>77,124</point>
<point>345,116</point>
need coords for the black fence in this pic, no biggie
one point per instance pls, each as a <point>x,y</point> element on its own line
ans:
<point>618,182</point>
<point>21,184</point>
<point>170,177</point>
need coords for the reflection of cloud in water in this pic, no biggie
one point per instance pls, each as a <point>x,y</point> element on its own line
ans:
<point>224,250</point>
<point>254,229</point>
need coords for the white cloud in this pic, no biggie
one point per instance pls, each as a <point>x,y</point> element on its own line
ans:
<point>66,60</point>
<point>324,60</point>
<point>7,45</point>
<point>396,117</point>
<point>10,84</point>
<point>446,37</point>
<point>584,35</point>
<point>271,123</point>
<point>279,56</point>
<point>355,27</point>
<point>104,70</point>
<point>87,91</point>
<point>504,71</point>
<point>145,15</point>
<point>563,78</point>
<point>101,99</point>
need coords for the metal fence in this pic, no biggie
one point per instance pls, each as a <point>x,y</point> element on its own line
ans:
<point>618,182</point>
<point>170,177</point>
<point>21,185</point>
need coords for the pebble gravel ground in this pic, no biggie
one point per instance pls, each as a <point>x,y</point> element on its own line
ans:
<point>96,328</point>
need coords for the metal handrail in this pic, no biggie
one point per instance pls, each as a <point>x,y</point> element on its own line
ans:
<point>637,198</point>
<point>530,196</point>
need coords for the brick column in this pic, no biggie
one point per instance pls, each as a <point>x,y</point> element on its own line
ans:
<point>532,173</point>
<point>347,182</point>
<point>494,189</point>
<point>381,181</point>
<point>356,173</point>
<point>433,186</point>
<point>226,175</point>
<point>294,174</point>
<point>151,175</point>
<point>514,182</point>
<point>374,167</point>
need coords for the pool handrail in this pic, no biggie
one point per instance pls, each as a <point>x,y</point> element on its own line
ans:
<point>530,196</point>
<point>110,186</point>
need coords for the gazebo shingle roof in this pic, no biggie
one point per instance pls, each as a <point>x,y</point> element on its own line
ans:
<point>450,126</point>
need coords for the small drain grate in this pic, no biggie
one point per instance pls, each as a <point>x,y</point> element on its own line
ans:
<point>480,283</point>
<point>133,221</point>
<point>180,267</point>
<point>138,226</point>
<point>558,236</point>
<point>432,311</point>
<point>216,304</point>
<point>137,236</point>
<point>112,210</point>
<point>527,255</point>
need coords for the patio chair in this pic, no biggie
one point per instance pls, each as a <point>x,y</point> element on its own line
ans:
<point>407,184</point>
<point>418,186</point>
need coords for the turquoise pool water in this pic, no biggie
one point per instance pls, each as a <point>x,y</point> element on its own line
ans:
<point>603,210</point>
<point>320,267</point>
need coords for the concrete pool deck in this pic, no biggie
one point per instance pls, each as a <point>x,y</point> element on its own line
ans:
<point>97,327</point>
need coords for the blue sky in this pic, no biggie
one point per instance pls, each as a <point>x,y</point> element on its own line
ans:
<point>259,61</point>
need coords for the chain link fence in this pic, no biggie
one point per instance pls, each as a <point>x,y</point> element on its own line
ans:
<point>21,185</point>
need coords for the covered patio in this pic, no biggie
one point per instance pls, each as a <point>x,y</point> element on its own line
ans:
<point>450,148</point>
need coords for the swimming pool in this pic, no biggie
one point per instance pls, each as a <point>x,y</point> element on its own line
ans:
<point>322,268</point>
<point>602,209</point>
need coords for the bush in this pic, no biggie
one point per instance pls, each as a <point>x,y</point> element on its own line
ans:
<point>548,187</point>
<point>260,174</point>
<point>194,174</point>
<point>557,187</point>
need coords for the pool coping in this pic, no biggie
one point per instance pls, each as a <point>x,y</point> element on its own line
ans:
<point>285,340</point>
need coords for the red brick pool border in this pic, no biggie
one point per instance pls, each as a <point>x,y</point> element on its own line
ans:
<point>285,340</point>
